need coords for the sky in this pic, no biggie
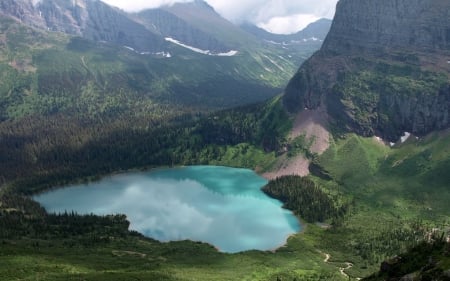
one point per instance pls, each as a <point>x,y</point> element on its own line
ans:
<point>277,16</point>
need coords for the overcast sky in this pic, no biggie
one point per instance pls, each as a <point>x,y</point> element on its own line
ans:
<point>278,16</point>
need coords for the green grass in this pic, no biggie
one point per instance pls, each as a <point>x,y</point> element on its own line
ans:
<point>245,155</point>
<point>142,259</point>
<point>407,179</point>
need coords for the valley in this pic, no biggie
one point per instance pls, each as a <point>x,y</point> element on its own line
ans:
<point>79,103</point>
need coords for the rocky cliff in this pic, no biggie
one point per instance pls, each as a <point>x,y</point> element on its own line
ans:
<point>24,11</point>
<point>91,19</point>
<point>383,69</point>
<point>385,24</point>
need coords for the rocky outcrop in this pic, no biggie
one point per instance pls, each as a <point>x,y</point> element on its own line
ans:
<point>385,24</point>
<point>91,19</point>
<point>383,69</point>
<point>24,11</point>
<point>97,21</point>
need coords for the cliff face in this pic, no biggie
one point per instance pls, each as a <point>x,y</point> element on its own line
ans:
<point>383,69</point>
<point>24,11</point>
<point>384,24</point>
<point>91,19</point>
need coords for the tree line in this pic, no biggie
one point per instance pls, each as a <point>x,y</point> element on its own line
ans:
<point>40,152</point>
<point>306,199</point>
<point>22,217</point>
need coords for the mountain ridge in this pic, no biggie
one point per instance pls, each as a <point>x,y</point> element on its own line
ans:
<point>316,30</point>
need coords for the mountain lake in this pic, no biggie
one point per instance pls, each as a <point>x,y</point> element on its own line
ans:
<point>222,206</point>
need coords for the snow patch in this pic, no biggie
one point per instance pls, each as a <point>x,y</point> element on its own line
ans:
<point>273,42</point>
<point>159,54</point>
<point>197,50</point>
<point>274,63</point>
<point>227,54</point>
<point>405,137</point>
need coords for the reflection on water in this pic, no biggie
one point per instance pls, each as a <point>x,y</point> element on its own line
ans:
<point>222,206</point>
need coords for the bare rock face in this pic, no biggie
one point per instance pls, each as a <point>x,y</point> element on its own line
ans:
<point>383,69</point>
<point>91,19</point>
<point>381,25</point>
<point>23,10</point>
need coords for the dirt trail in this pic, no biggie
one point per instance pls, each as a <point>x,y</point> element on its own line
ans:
<point>311,124</point>
<point>341,269</point>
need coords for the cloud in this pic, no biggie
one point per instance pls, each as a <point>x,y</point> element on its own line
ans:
<point>138,5</point>
<point>282,16</point>
<point>284,25</point>
<point>263,10</point>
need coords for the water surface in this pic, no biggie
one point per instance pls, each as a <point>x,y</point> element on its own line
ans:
<point>218,205</point>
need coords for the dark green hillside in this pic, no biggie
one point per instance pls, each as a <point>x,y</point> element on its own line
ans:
<point>427,261</point>
<point>39,152</point>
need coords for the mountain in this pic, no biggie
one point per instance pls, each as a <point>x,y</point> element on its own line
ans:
<point>172,27</point>
<point>74,109</point>
<point>24,11</point>
<point>383,69</point>
<point>91,19</point>
<point>313,33</point>
<point>203,17</point>
<point>182,56</point>
<point>65,66</point>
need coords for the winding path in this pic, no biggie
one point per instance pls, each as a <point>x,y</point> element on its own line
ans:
<point>341,269</point>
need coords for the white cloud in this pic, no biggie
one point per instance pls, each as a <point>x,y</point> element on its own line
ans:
<point>282,16</point>
<point>284,25</point>
<point>138,5</point>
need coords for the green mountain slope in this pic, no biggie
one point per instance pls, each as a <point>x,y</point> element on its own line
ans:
<point>45,73</point>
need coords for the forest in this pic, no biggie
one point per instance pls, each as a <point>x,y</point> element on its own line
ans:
<point>20,216</point>
<point>43,152</point>
<point>306,199</point>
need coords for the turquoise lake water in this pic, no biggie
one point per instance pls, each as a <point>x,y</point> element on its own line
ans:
<point>218,205</point>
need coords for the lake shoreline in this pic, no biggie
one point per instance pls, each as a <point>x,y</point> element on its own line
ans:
<point>239,187</point>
